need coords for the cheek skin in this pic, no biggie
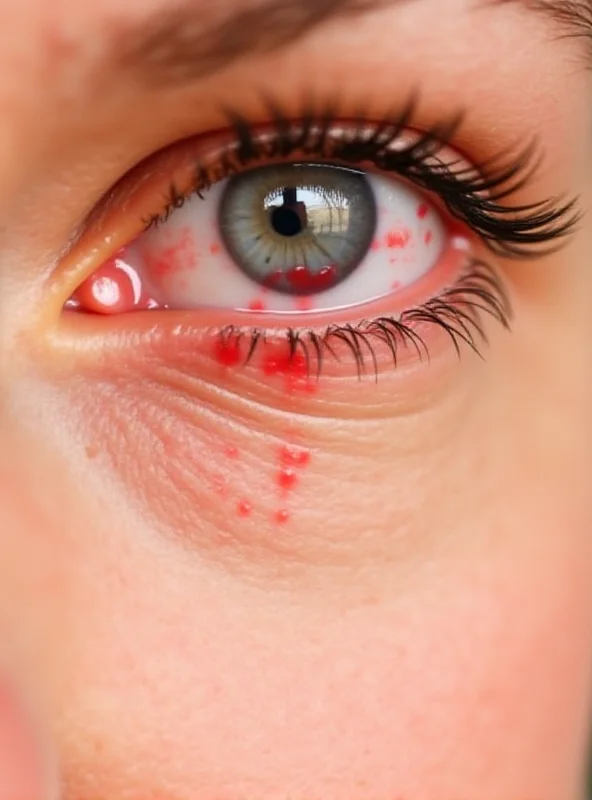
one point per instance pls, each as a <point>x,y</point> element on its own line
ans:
<point>434,677</point>
<point>421,636</point>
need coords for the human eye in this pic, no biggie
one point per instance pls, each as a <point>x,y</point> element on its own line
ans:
<point>318,239</point>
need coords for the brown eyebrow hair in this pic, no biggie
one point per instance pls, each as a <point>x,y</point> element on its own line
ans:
<point>182,43</point>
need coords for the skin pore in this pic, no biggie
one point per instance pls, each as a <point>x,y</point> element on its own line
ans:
<point>215,582</point>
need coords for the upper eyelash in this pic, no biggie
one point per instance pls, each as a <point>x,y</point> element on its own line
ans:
<point>473,195</point>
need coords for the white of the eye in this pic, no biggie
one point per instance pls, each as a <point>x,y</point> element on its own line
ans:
<point>184,265</point>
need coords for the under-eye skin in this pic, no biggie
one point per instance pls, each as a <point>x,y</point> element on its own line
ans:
<point>319,236</point>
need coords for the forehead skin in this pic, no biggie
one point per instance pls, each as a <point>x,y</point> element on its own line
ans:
<point>430,637</point>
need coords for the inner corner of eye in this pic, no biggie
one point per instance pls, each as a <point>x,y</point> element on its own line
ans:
<point>288,238</point>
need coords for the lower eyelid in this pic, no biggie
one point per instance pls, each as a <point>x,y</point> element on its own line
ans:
<point>301,364</point>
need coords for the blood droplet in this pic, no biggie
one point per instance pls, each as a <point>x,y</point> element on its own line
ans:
<point>273,279</point>
<point>294,456</point>
<point>227,353</point>
<point>231,451</point>
<point>398,239</point>
<point>244,508</point>
<point>301,279</point>
<point>422,211</point>
<point>294,370</point>
<point>282,516</point>
<point>287,479</point>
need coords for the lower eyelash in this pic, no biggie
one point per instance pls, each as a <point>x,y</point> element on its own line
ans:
<point>459,310</point>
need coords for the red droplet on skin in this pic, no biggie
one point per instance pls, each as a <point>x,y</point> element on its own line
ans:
<point>257,305</point>
<point>287,479</point>
<point>227,353</point>
<point>244,508</point>
<point>301,279</point>
<point>398,239</point>
<point>231,452</point>
<point>428,236</point>
<point>294,456</point>
<point>293,369</point>
<point>422,211</point>
<point>282,516</point>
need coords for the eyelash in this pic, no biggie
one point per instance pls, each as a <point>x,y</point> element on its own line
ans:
<point>474,195</point>
<point>458,311</point>
<point>471,195</point>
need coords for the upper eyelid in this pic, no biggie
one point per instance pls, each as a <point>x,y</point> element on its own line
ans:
<point>488,182</point>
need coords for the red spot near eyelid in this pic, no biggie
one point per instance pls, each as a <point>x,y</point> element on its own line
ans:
<point>244,508</point>
<point>257,305</point>
<point>287,479</point>
<point>422,211</point>
<point>398,239</point>
<point>294,456</point>
<point>302,279</point>
<point>227,353</point>
<point>293,369</point>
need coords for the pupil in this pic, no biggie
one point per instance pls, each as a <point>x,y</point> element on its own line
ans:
<point>286,221</point>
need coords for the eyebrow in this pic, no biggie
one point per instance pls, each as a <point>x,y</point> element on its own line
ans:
<point>182,44</point>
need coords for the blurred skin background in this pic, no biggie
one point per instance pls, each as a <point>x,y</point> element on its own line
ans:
<point>214,585</point>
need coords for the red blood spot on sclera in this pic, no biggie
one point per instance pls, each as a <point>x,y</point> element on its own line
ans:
<point>304,304</point>
<point>244,508</point>
<point>422,211</point>
<point>375,246</point>
<point>428,236</point>
<point>257,305</point>
<point>175,258</point>
<point>398,239</point>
